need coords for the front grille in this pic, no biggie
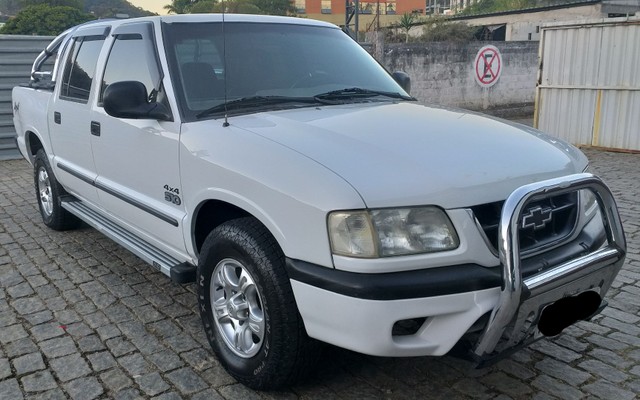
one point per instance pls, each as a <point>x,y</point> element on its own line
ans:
<point>542,223</point>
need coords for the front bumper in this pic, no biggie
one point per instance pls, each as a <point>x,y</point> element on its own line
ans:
<point>359,311</point>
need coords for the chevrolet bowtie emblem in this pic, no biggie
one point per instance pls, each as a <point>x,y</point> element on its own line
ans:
<point>16,107</point>
<point>536,217</point>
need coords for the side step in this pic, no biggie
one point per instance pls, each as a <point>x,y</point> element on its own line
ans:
<point>180,272</point>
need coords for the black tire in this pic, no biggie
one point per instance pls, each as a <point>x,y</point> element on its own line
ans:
<point>285,354</point>
<point>48,193</point>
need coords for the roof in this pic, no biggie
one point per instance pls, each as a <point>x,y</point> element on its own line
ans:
<point>559,5</point>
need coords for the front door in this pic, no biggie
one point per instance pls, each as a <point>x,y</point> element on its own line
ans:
<point>137,159</point>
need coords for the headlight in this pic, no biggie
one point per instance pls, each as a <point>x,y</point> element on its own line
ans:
<point>588,201</point>
<point>391,232</point>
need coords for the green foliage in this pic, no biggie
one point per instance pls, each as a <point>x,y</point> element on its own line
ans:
<point>180,6</point>
<point>44,20</point>
<point>490,6</point>
<point>269,7</point>
<point>407,21</point>
<point>440,29</point>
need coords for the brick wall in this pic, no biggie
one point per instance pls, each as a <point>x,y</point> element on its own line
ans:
<point>443,73</point>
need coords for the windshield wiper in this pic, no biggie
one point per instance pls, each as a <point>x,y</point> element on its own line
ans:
<point>356,92</point>
<point>256,101</point>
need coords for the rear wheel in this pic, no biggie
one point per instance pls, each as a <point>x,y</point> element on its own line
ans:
<point>49,192</point>
<point>247,307</point>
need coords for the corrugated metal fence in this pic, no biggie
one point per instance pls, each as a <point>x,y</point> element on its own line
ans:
<point>17,54</point>
<point>588,89</point>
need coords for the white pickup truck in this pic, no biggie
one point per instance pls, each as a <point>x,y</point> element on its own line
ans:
<point>275,163</point>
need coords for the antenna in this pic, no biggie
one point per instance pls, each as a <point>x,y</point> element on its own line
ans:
<point>224,65</point>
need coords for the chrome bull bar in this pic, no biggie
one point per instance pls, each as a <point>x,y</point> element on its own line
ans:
<point>601,265</point>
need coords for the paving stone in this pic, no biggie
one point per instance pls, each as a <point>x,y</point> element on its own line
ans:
<point>67,317</point>
<point>90,343</point>
<point>611,358</point>
<point>108,331</point>
<point>603,370</point>
<point>506,384</point>
<point>606,390</point>
<point>607,343</point>
<point>152,384</point>
<point>39,317</point>
<point>12,333</point>
<point>186,381</point>
<point>5,368</point>
<point>38,382</point>
<point>165,328</point>
<point>168,396</point>
<point>148,344</point>
<point>120,346</point>
<point>134,364</point>
<point>84,389</point>
<point>182,343</point>
<point>58,347</point>
<point>115,380</point>
<point>209,394</point>
<point>128,394</point>
<point>557,388</point>
<point>28,363</point>
<point>20,347</point>
<point>70,367</point>
<point>7,318</point>
<point>199,359</point>
<point>10,389</point>
<point>102,361</point>
<point>562,371</point>
<point>166,360</point>
<point>78,330</point>
<point>46,331</point>
<point>238,392</point>
<point>27,305</point>
<point>20,290</point>
<point>54,394</point>
<point>553,350</point>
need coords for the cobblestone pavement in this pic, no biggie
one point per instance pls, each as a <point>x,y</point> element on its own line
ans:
<point>82,318</point>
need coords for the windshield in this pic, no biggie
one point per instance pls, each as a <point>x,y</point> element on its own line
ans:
<point>269,66</point>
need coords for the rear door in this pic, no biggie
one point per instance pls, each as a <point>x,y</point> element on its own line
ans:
<point>69,116</point>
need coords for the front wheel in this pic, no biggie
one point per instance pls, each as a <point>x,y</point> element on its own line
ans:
<point>49,192</point>
<point>247,307</point>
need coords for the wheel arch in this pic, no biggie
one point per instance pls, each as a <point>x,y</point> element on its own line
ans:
<point>211,213</point>
<point>33,144</point>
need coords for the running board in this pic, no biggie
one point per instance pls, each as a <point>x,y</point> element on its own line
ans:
<point>180,272</point>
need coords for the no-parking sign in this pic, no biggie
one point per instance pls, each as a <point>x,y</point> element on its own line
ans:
<point>488,66</point>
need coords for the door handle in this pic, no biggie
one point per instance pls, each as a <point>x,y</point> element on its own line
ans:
<point>95,128</point>
<point>57,118</point>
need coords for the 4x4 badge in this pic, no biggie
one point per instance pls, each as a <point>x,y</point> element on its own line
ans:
<point>537,217</point>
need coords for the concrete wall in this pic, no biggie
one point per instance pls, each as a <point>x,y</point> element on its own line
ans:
<point>444,73</point>
<point>17,54</point>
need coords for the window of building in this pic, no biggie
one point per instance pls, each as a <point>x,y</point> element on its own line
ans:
<point>301,6</point>
<point>325,6</point>
<point>391,8</point>
<point>80,68</point>
<point>538,29</point>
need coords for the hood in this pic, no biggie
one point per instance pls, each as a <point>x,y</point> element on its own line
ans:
<point>402,154</point>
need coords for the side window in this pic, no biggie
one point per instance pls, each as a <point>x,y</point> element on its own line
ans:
<point>132,58</point>
<point>80,68</point>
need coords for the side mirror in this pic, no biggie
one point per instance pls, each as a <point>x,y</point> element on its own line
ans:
<point>128,99</point>
<point>403,80</point>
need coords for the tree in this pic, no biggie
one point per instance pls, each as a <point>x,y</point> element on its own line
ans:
<point>180,6</point>
<point>407,21</point>
<point>275,7</point>
<point>44,20</point>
